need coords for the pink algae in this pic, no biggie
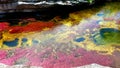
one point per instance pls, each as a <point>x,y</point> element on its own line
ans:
<point>3,54</point>
<point>78,57</point>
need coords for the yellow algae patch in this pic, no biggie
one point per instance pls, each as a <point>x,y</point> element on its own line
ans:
<point>89,45</point>
<point>105,49</point>
<point>46,29</point>
<point>111,24</point>
<point>10,37</point>
<point>64,36</point>
<point>76,17</point>
<point>69,23</point>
